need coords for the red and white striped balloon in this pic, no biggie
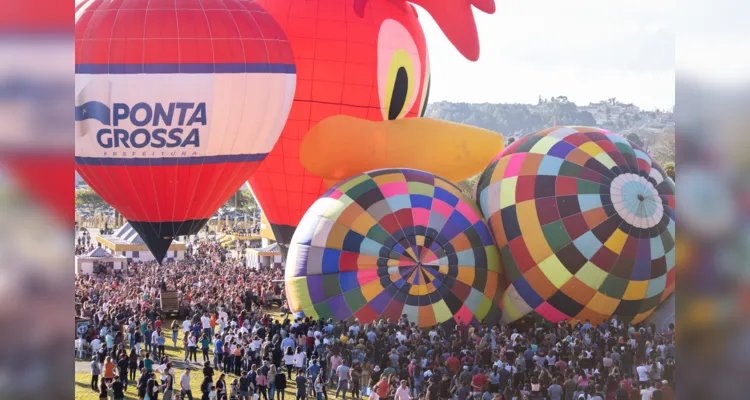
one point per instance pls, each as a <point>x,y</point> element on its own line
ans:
<point>178,101</point>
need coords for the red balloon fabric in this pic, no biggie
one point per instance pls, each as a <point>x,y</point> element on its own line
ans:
<point>366,59</point>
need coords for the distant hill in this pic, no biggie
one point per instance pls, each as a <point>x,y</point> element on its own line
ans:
<point>516,120</point>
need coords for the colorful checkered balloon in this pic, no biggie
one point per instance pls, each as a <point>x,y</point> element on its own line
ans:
<point>584,221</point>
<point>393,242</point>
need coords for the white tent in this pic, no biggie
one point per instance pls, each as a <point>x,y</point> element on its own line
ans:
<point>85,263</point>
<point>126,242</point>
<point>266,257</point>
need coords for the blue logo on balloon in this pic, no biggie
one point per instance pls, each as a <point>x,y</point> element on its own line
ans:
<point>142,114</point>
<point>93,109</point>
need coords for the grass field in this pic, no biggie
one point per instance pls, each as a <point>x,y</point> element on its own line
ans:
<point>83,380</point>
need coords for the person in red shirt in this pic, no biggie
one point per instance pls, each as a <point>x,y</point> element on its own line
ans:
<point>635,392</point>
<point>668,392</point>
<point>310,342</point>
<point>381,388</point>
<point>453,363</point>
<point>561,366</point>
<point>626,383</point>
<point>478,382</point>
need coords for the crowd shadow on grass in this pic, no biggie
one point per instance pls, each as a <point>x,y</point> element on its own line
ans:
<point>83,385</point>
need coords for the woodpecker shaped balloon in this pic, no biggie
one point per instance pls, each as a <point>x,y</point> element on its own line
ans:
<point>178,102</point>
<point>363,78</point>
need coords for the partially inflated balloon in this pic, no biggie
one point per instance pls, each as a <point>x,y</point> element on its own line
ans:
<point>177,103</point>
<point>585,224</point>
<point>393,242</point>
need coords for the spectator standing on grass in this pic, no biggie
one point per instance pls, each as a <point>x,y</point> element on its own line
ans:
<point>95,372</point>
<point>280,385</point>
<point>221,386</point>
<point>122,369</point>
<point>301,382</point>
<point>118,389</point>
<point>185,390</point>
<point>175,327</point>
<point>103,390</point>
<point>343,376</point>
<point>289,361</point>
<point>133,364</point>
<point>109,370</point>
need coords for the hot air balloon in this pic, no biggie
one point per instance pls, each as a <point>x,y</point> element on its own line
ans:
<point>362,65</point>
<point>585,224</point>
<point>391,242</point>
<point>177,104</point>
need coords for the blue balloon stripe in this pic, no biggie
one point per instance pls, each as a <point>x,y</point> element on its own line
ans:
<point>196,68</point>
<point>165,161</point>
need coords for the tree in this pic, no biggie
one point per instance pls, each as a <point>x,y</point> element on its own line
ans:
<point>664,148</point>
<point>87,198</point>
<point>242,199</point>
<point>585,119</point>
<point>635,139</point>
<point>669,169</point>
<point>510,141</point>
<point>467,186</point>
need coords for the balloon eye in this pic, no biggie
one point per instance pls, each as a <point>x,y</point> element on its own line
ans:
<point>400,86</point>
<point>425,87</point>
<point>399,70</point>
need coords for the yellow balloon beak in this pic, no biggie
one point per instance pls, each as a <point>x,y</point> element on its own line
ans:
<point>342,146</point>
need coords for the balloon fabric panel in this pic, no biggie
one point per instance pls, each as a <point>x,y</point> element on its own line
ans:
<point>584,223</point>
<point>404,256</point>
<point>178,102</point>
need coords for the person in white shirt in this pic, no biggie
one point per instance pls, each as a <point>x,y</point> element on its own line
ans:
<point>539,360</point>
<point>186,325</point>
<point>643,371</point>
<point>185,390</point>
<point>403,392</point>
<point>206,321</point>
<point>648,393</point>
<point>96,344</point>
<point>551,359</point>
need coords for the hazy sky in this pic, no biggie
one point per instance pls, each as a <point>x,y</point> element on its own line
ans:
<point>587,50</point>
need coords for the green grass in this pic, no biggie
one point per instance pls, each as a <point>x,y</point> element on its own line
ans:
<point>83,389</point>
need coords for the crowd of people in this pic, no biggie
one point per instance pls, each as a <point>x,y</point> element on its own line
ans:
<point>84,244</point>
<point>235,337</point>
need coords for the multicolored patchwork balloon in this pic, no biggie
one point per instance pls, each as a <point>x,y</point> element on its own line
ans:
<point>584,221</point>
<point>392,242</point>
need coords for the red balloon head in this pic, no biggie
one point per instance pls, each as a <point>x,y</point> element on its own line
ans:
<point>360,58</point>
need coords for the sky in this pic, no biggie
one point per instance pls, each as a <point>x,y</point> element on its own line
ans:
<point>588,50</point>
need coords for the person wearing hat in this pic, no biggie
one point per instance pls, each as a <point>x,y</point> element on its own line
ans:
<point>465,376</point>
<point>376,374</point>
<point>667,391</point>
